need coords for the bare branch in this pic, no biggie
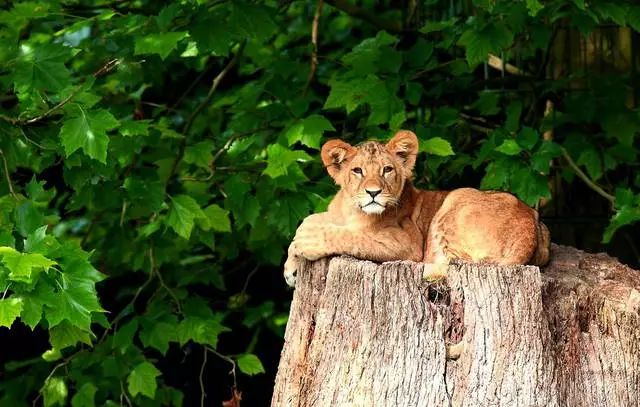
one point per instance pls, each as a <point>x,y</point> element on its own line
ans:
<point>314,43</point>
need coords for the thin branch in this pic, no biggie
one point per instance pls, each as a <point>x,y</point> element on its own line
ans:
<point>591,184</point>
<point>7,175</point>
<point>110,65</point>
<point>130,304</point>
<point>225,147</point>
<point>391,26</point>
<point>229,360</point>
<point>123,395</point>
<point>246,282</point>
<point>53,371</point>
<point>314,50</point>
<point>190,120</point>
<point>201,378</point>
<point>156,270</point>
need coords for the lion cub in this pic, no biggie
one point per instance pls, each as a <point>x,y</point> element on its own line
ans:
<point>378,215</point>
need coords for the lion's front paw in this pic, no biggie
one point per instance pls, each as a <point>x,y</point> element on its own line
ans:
<point>310,241</point>
<point>291,267</point>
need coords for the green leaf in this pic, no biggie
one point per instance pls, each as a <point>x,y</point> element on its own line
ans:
<point>64,335</point>
<point>21,265</point>
<point>590,158</point>
<point>215,218</point>
<point>626,215</point>
<point>279,159</point>
<point>253,20</point>
<point>42,67</point>
<point>529,186</point>
<point>200,330</point>
<point>432,26</point>
<point>184,210</point>
<point>527,138</point>
<point>514,110</point>
<point>350,94</point>
<point>158,336</point>
<point>287,212</point>
<point>487,103</point>
<point>85,396</point>
<point>309,131</point>
<point>437,146</point>
<point>87,130</point>
<point>509,147</point>
<point>250,364</point>
<point>492,38</point>
<point>534,7</point>
<point>161,44</point>
<point>55,392</point>
<point>10,309</point>
<point>199,154</point>
<point>135,128</point>
<point>123,339</point>
<point>142,380</point>
<point>76,297</point>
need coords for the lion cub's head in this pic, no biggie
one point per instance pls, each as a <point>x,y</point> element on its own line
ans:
<point>372,174</point>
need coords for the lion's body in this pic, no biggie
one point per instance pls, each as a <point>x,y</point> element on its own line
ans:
<point>378,215</point>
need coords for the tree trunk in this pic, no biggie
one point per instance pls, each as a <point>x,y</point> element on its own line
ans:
<point>364,334</point>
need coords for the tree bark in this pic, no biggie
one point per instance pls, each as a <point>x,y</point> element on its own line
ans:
<point>365,334</point>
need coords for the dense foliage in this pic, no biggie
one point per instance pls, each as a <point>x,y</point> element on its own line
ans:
<point>155,157</point>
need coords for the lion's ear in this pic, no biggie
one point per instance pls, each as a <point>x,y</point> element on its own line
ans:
<point>334,153</point>
<point>404,145</point>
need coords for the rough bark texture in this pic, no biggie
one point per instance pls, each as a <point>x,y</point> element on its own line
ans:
<point>364,334</point>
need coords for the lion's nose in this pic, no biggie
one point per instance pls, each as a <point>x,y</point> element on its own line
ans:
<point>373,192</point>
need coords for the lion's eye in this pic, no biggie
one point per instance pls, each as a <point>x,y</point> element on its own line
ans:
<point>387,169</point>
<point>357,170</point>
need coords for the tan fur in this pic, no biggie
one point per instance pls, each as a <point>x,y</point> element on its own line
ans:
<point>410,224</point>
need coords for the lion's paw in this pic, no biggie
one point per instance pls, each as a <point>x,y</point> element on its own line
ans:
<point>291,267</point>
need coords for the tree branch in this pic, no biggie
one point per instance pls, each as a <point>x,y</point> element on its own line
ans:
<point>190,120</point>
<point>394,27</point>
<point>314,43</point>
<point>591,184</point>
<point>7,175</point>
<point>110,65</point>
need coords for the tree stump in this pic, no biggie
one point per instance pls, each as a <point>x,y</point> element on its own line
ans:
<point>366,334</point>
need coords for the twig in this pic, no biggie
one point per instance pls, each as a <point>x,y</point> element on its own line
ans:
<point>130,304</point>
<point>246,282</point>
<point>53,371</point>
<point>442,65</point>
<point>123,394</point>
<point>226,359</point>
<point>204,363</point>
<point>7,175</point>
<point>314,50</point>
<point>156,270</point>
<point>223,150</point>
<point>189,123</point>
<point>591,184</point>
<point>500,65</point>
<point>104,69</point>
<point>392,26</point>
<point>191,86</point>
